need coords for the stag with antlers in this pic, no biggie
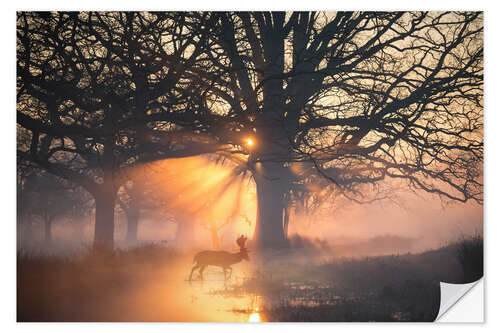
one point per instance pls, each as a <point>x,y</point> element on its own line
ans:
<point>221,259</point>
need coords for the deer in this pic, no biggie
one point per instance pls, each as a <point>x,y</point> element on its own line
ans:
<point>221,259</point>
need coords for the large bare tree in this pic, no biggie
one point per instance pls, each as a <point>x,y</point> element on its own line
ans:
<point>356,97</point>
<point>98,94</point>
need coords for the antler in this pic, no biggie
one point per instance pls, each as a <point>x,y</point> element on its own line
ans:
<point>241,241</point>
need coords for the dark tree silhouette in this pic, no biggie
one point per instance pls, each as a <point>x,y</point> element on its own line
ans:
<point>356,97</point>
<point>97,94</point>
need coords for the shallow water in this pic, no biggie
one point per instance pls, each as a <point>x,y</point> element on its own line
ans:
<point>223,303</point>
<point>243,297</point>
<point>145,289</point>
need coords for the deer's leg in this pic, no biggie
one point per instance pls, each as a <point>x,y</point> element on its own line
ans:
<point>225,269</point>
<point>230,271</point>
<point>192,270</point>
<point>201,271</point>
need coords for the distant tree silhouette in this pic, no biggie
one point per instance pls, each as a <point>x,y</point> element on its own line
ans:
<point>47,197</point>
<point>131,202</point>
<point>140,195</point>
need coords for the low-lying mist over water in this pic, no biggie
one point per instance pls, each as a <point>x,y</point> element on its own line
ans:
<point>149,283</point>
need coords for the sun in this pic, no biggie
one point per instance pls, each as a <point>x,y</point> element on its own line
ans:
<point>249,141</point>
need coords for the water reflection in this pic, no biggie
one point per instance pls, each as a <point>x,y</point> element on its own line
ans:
<point>217,296</point>
<point>250,296</point>
<point>254,318</point>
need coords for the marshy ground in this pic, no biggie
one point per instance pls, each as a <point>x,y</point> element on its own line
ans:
<point>149,283</point>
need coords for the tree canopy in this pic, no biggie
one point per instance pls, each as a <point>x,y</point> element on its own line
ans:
<point>348,98</point>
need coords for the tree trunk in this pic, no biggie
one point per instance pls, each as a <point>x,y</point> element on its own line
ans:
<point>132,224</point>
<point>29,234</point>
<point>21,226</point>
<point>104,218</point>
<point>286,219</point>
<point>105,194</point>
<point>134,211</point>
<point>269,232</point>
<point>47,224</point>
<point>184,237</point>
<point>214,231</point>
<point>215,237</point>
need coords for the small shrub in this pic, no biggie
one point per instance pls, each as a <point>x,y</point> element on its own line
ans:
<point>470,257</point>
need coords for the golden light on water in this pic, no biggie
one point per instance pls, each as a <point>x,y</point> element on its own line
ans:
<point>254,318</point>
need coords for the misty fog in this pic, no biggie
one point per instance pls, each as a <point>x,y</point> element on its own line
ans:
<point>409,223</point>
